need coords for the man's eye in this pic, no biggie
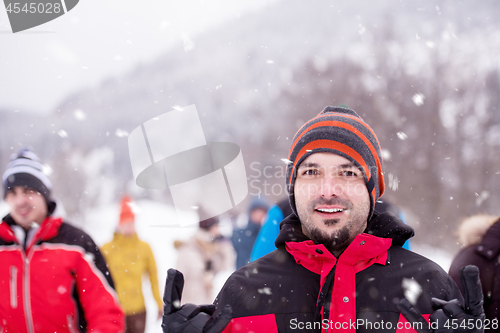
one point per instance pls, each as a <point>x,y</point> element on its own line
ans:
<point>310,172</point>
<point>349,173</point>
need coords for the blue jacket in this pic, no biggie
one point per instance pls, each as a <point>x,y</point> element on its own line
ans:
<point>243,240</point>
<point>264,243</point>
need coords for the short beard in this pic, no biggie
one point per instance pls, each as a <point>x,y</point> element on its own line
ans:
<point>335,242</point>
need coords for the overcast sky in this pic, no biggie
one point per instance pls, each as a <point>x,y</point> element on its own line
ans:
<point>97,39</point>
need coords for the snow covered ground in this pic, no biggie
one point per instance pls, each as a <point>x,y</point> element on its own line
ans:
<point>154,224</point>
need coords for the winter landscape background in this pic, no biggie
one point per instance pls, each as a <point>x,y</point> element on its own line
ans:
<point>424,74</point>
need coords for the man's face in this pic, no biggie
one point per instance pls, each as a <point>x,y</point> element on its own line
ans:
<point>26,206</point>
<point>257,215</point>
<point>332,200</point>
<point>127,229</point>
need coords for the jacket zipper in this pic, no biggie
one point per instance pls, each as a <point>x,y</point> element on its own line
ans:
<point>13,287</point>
<point>325,297</point>
<point>27,303</point>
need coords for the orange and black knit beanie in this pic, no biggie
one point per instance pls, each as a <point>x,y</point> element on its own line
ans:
<point>340,131</point>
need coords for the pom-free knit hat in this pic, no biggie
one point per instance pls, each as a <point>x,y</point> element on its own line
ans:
<point>340,131</point>
<point>26,169</point>
<point>126,213</point>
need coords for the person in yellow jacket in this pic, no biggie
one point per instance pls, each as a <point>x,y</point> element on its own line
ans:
<point>128,258</point>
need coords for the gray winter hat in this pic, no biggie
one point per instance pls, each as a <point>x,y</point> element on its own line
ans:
<point>26,169</point>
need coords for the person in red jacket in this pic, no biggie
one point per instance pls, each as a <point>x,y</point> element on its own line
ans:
<point>339,265</point>
<point>52,276</point>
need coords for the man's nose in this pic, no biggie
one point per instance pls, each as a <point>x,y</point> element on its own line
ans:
<point>22,199</point>
<point>331,187</point>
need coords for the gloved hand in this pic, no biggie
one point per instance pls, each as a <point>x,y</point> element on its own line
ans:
<point>189,318</point>
<point>451,316</point>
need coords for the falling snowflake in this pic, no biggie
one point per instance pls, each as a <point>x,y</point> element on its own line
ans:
<point>177,108</point>
<point>402,135</point>
<point>287,161</point>
<point>62,133</point>
<point>46,169</point>
<point>480,198</point>
<point>121,133</point>
<point>412,290</point>
<point>393,182</point>
<point>386,154</point>
<point>79,115</point>
<point>418,99</point>
<point>270,62</point>
<point>265,290</point>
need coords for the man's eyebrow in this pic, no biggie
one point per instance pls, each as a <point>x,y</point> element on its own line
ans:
<point>316,165</point>
<point>347,166</point>
<point>309,165</point>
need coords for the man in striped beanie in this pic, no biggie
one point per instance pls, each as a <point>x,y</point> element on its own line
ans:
<point>52,274</point>
<point>335,156</point>
<point>339,265</point>
<point>26,170</point>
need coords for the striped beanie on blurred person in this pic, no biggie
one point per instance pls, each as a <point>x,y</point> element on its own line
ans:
<point>26,169</point>
<point>341,131</point>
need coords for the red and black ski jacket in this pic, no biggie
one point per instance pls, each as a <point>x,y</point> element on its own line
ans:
<point>302,287</point>
<point>58,282</point>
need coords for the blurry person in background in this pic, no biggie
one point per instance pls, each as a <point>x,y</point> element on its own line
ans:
<point>264,243</point>
<point>480,237</point>
<point>129,259</point>
<point>244,238</point>
<point>200,258</point>
<point>53,277</point>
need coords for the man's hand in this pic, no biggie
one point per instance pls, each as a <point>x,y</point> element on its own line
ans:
<point>189,318</point>
<point>451,316</point>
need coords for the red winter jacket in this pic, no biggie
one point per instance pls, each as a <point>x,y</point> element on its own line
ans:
<point>302,287</point>
<point>60,283</point>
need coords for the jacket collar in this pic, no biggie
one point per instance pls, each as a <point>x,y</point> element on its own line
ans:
<point>368,248</point>
<point>49,228</point>
<point>337,275</point>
